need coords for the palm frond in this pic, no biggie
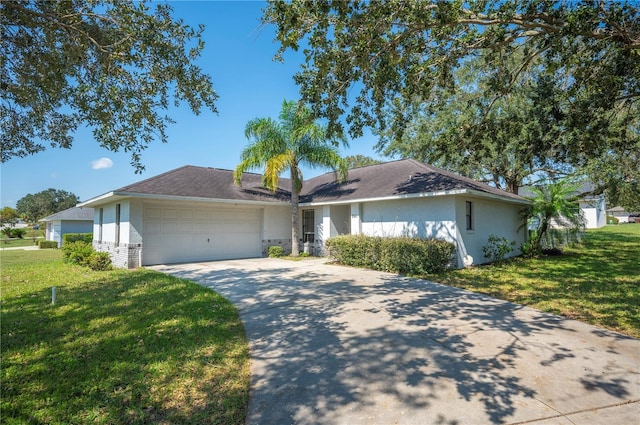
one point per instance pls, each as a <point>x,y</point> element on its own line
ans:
<point>273,168</point>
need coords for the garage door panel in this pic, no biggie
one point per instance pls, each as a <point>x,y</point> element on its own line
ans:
<point>199,234</point>
<point>169,213</point>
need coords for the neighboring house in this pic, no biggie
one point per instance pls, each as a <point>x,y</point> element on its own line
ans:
<point>198,214</point>
<point>592,206</point>
<point>72,220</point>
<point>620,213</point>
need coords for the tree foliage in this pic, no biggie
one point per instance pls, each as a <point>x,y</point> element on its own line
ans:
<point>475,131</point>
<point>113,66</point>
<point>8,215</point>
<point>355,161</point>
<point>396,54</point>
<point>33,207</point>
<point>286,144</point>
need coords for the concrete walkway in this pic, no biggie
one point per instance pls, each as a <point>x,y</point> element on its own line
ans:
<point>25,248</point>
<point>336,345</point>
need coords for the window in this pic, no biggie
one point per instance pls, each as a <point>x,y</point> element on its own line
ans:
<point>100,218</point>
<point>117,224</point>
<point>308,226</point>
<point>469,215</point>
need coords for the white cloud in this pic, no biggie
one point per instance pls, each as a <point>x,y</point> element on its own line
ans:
<point>101,164</point>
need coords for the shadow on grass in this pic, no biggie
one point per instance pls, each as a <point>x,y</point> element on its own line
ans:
<point>137,347</point>
<point>597,282</point>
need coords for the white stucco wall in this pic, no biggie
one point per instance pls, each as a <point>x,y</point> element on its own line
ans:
<point>277,222</point>
<point>340,220</point>
<point>428,217</point>
<point>131,221</point>
<point>489,217</point>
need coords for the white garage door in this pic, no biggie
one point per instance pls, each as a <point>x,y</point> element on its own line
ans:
<point>174,234</point>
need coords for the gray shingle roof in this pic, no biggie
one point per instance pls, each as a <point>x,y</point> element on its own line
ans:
<point>396,178</point>
<point>391,179</point>
<point>212,183</point>
<point>73,213</point>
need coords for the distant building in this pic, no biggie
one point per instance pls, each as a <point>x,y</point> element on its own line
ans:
<point>72,220</point>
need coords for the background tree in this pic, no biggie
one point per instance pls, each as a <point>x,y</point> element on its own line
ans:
<point>479,132</point>
<point>113,66</point>
<point>33,207</point>
<point>354,161</point>
<point>617,171</point>
<point>295,139</point>
<point>585,56</point>
<point>9,215</point>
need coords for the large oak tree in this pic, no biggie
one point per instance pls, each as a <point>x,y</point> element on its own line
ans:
<point>115,66</point>
<point>33,207</point>
<point>372,63</point>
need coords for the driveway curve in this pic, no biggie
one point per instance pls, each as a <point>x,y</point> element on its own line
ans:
<point>337,345</point>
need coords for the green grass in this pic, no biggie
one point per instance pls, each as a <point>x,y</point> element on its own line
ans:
<point>29,239</point>
<point>118,347</point>
<point>597,282</point>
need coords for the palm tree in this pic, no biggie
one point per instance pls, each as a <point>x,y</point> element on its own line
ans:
<point>554,203</point>
<point>294,140</point>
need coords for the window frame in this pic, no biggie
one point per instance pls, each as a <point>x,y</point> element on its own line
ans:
<point>100,223</point>
<point>469,216</point>
<point>308,236</point>
<point>117,236</point>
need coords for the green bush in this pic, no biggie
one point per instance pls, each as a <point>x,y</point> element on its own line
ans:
<point>77,252</point>
<point>498,248</point>
<point>399,255</point>
<point>612,220</point>
<point>47,244</point>
<point>99,261</point>
<point>530,249</point>
<point>275,251</point>
<point>13,233</point>
<point>75,237</point>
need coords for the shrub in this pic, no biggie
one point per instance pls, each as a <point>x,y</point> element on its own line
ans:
<point>275,251</point>
<point>75,237</point>
<point>400,255</point>
<point>99,261</point>
<point>14,233</point>
<point>612,220</point>
<point>77,252</point>
<point>530,249</point>
<point>47,244</point>
<point>498,248</point>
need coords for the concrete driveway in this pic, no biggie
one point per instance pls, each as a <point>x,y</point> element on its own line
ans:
<point>336,345</point>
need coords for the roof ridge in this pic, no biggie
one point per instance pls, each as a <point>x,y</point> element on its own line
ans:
<point>166,173</point>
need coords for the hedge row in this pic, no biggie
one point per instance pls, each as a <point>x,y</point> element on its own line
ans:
<point>75,237</point>
<point>399,255</point>
<point>47,244</point>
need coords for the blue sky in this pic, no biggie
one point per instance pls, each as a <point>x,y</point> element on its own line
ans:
<point>239,57</point>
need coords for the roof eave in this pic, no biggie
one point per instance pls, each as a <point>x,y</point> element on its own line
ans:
<point>111,197</point>
<point>476,193</point>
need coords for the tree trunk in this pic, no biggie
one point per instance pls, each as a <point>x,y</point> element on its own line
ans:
<point>295,200</point>
<point>513,184</point>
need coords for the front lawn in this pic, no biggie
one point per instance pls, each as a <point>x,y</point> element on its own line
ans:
<point>118,347</point>
<point>597,282</point>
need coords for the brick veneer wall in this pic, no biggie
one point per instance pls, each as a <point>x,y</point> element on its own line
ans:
<point>284,243</point>
<point>124,255</point>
